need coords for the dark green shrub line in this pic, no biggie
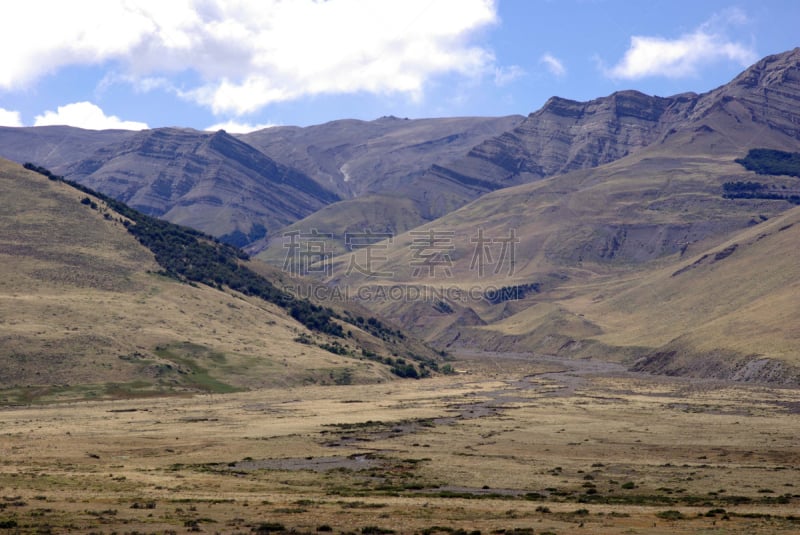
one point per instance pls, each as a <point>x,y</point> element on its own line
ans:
<point>742,187</point>
<point>375,327</point>
<point>794,199</point>
<point>771,162</point>
<point>756,190</point>
<point>191,256</point>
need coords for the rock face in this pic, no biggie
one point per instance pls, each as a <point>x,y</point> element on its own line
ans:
<point>566,135</point>
<point>767,94</point>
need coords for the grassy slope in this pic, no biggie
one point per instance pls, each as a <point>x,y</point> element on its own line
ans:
<point>745,302</point>
<point>373,213</point>
<point>738,304</point>
<point>80,304</point>
<point>626,304</point>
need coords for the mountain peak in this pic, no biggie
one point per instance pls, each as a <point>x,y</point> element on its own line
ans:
<point>771,71</point>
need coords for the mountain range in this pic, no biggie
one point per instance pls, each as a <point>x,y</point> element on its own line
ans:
<point>622,238</point>
<point>625,260</point>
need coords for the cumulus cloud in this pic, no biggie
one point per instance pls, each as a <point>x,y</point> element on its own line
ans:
<point>250,54</point>
<point>687,54</point>
<point>235,127</point>
<point>553,64</point>
<point>86,115</point>
<point>9,118</point>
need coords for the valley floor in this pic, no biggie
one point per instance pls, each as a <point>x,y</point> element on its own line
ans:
<point>509,444</point>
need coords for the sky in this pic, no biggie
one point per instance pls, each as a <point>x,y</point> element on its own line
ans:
<point>244,65</point>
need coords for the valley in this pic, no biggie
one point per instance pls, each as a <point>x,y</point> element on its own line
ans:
<point>582,320</point>
<point>510,442</point>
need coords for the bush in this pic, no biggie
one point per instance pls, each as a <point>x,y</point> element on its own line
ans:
<point>405,370</point>
<point>269,527</point>
<point>771,162</point>
<point>670,515</point>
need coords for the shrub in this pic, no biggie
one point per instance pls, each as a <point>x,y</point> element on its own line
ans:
<point>269,527</point>
<point>771,162</point>
<point>670,514</point>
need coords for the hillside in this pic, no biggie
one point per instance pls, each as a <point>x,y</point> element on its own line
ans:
<point>372,165</point>
<point>687,282</point>
<point>211,182</point>
<point>354,158</point>
<point>582,238</point>
<point>87,311</point>
<point>562,136</point>
<point>526,234</point>
<point>244,188</point>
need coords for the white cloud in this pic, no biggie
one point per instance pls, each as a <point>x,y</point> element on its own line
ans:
<point>86,115</point>
<point>250,54</point>
<point>46,35</point>
<point>235,127</point>
<point>9,118</point>
<point>687,54</point>
<point>553,64</point>
<point>505,75</point>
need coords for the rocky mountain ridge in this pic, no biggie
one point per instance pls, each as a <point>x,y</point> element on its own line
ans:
<point>247,187</point>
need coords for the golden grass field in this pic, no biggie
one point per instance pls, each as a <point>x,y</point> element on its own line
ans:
<point>84,314</point>
<point>509,444</point>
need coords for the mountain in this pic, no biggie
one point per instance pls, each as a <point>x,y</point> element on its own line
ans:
<point>98,300</point>
<point>371,165</point>
<point>244,188</point>
<point>355,158</point>
<point>565,136</point>
<point>211,182</point>
<point>55,146</point>
<point>547,224</point>
<point>595,249</point>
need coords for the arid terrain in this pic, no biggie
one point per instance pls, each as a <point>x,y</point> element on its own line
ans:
<point>507,444</point>
<point>579,321</point>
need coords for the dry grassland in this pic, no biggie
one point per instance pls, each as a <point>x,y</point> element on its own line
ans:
<point>508,445</point>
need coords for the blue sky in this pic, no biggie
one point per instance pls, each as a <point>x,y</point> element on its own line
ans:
<point>242,65</point>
